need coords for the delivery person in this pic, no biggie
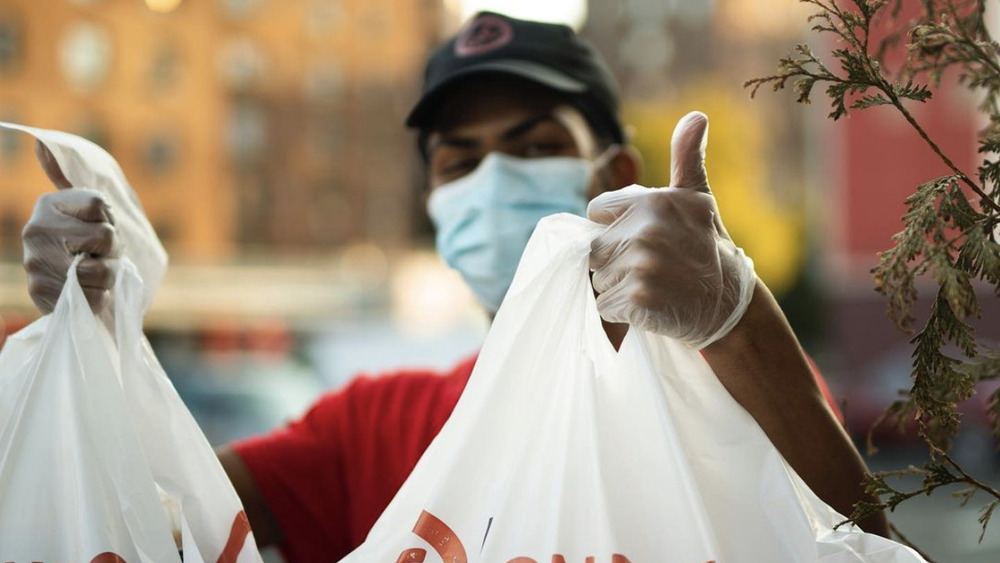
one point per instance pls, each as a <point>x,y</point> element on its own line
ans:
<point>511,112</point>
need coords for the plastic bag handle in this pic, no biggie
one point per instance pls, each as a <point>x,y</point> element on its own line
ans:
<point>72,285</point>
<point>128,296</point>
<point>71,276</point>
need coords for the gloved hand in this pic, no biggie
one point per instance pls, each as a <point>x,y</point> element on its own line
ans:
<point>65,223</point>
<point>665,263</point>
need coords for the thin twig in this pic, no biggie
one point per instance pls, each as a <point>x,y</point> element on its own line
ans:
<point>887,89</point>
<point>983,55</point>
<point>937,150</point>
<point>965,476</point>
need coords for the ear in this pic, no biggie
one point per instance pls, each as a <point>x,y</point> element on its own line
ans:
<point>624,169</point>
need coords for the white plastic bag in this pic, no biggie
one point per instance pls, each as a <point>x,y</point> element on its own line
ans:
<point>90,434</point>
<point>562,450</point>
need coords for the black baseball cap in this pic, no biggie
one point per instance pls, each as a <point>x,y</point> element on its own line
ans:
<point>551,55</point>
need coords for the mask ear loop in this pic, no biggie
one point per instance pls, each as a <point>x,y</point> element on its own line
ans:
<point>606,156</point>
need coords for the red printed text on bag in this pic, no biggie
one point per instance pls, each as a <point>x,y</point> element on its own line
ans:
<point>238,534</point>
<point>106,557</point>
<point>449,548</point>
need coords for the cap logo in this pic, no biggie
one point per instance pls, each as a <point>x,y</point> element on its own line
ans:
<point>484,34</point>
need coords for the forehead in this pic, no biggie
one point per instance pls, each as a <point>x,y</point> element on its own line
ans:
<point>489,104</point>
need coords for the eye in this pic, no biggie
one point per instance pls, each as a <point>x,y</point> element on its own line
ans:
<point>543,148</point>
<point>449,162</point>
<point>449,169</point>
<point>459,167</point>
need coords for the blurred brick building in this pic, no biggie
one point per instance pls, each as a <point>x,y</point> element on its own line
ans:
<point>258,125</point>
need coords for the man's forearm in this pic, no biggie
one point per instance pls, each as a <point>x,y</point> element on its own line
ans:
<point>265,528</point>
<point>763,367</point>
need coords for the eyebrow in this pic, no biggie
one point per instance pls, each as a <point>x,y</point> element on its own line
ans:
<point>513,132</point>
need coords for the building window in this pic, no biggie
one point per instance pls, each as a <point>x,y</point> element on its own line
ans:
<point>11,43</point>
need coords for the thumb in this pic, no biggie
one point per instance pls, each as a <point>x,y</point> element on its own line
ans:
<point>51,167</point>
<point>687,152</point>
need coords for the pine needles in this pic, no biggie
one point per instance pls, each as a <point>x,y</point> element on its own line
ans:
<point>950,228</point>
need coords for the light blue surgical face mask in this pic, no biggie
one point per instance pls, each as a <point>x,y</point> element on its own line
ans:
<point>484,219</point>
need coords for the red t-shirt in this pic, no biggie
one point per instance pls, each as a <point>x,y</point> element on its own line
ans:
<point>329,475</point>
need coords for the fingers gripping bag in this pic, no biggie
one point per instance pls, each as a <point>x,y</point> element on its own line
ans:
<point>86,165</point>
<point>100,461</point>
<point>564,450</point>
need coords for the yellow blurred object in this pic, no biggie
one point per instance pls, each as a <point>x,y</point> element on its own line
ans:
<point>771,232</point>
<point>753,19</point>
<point>163,6</point>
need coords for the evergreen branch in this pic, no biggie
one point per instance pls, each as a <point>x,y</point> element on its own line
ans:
<point>922,237</point>
<point>984,517</point>
<point>965,477</point>
<point>986,199</point>
<point>980,54</point>
<point>993,410</point>
<point>862,72</point>
<point>984,367</point>
<point>945,234</point>
<point>935,475</point>
<point>938,385</point>
<point>902,410</point>
<point>870,101</point>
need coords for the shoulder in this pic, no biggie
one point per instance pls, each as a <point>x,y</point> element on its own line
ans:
<point>383,423</point>
<point>372,411</point>
<point>401,393</point>
<point>401,381</point>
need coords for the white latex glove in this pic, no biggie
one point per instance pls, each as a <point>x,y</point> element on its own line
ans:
<point>65,223</point>
<point>80,221</point>
<point>665,263</point>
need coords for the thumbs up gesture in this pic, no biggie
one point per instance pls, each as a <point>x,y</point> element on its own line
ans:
<point>64,223</point>
<point>665,264</point>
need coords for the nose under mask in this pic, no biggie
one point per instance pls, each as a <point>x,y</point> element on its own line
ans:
<point>484,219</point>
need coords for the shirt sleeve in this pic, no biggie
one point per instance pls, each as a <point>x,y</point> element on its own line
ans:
<point>299,470</point>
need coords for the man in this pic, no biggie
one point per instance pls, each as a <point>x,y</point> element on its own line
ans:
<point>517,120</point>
